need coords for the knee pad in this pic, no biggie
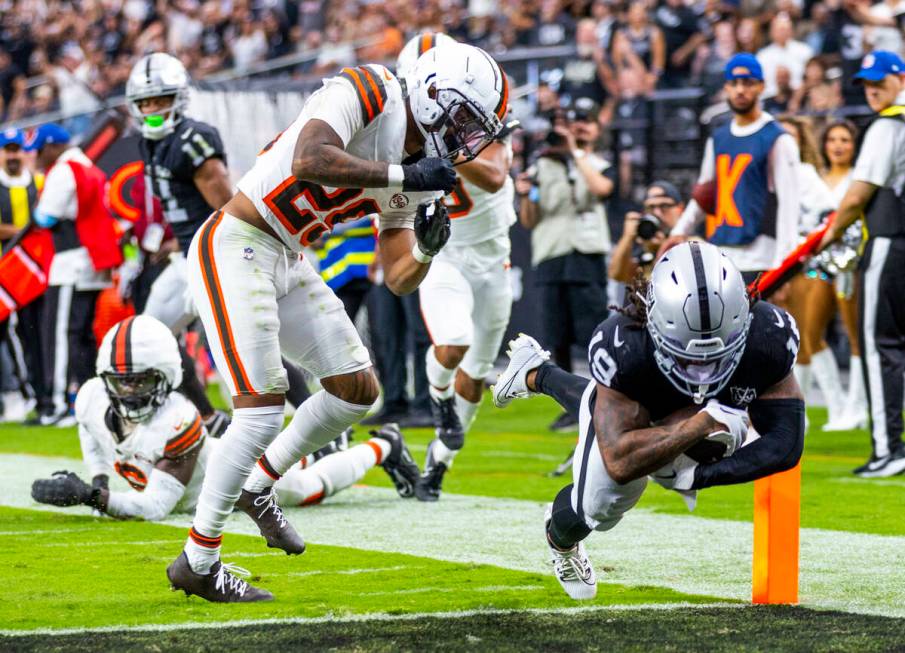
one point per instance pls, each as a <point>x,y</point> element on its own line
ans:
<point>452,440</point>
<point>566,528</point>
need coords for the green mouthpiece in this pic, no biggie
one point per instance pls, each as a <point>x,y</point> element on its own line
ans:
<point>154,121</point>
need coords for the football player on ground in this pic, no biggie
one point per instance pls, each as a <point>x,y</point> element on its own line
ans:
<point>677,377</point>
<point>359,146</point>
<point>132,422</point>
<point>185,168</point>
<point>466,297</point>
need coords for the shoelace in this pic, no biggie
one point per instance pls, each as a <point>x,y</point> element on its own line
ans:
<point>227,580</point>
<point>570,566</point>
<point>269,502</point>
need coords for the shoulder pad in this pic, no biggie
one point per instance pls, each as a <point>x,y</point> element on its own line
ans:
<point>370,84</point>
<point>179,424</point>
<point>91,400</point>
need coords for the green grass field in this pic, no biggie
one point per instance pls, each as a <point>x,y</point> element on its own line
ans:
<point>468,573</point>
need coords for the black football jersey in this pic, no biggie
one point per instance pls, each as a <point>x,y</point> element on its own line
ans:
<point>170,166</point>
<point>621,356</point>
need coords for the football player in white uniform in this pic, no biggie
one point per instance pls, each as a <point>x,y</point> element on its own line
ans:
<point>132,422</point>
<point>466,298</point>
<point>359,146</point>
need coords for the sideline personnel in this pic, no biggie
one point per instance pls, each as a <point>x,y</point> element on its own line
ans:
<point>878,192</point>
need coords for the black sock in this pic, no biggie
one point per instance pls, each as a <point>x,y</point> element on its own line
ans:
<point>566,528</point>
<point>564,387</point>
<point>191,385</point>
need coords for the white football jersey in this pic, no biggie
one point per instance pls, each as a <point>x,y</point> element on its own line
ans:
<point>365,107</point>
<point>174,430</point>
<point>476,215</point>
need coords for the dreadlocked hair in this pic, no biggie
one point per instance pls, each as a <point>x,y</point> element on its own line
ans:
<point>635,305</point>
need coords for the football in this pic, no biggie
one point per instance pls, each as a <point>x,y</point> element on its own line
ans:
<point>705,451</point>
<point>705,195</point>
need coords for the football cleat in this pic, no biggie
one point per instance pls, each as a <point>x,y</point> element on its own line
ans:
<point>572,568</point>
<point>399,465</point>
<point>216,424</point>
<point>525,354</point>
<point>431,481</point>
<point>884,467</point>
<point>221,585</point>
<point>263,509</point>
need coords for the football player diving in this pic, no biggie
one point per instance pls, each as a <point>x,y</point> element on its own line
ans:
<point>679,376</point>
<point>132,422</point>
<point>359,146</point>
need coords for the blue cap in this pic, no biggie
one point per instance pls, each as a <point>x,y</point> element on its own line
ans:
<point>878,64</point>
<point>49,133</point>
<point>744,65</point>
<point>12,137</point>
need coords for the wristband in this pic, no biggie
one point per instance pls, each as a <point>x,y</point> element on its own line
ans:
<point>578,154</point>
<point>420,256</point>
<point>395,175</point>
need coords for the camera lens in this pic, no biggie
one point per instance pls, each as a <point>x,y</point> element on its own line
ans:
<point>648,226</point>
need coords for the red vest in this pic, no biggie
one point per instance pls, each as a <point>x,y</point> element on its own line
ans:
<point>94,225</point>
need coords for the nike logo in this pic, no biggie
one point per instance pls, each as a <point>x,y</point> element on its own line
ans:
<point>617,341</point>
<point>779,321</point>
<point>188,132</point>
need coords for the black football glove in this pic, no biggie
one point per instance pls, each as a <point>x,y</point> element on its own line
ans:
<point>430,173</point>
<point>62,489</point>
<point>432,227</point>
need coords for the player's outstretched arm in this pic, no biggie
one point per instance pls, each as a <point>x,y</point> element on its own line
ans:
<point>778,416</point>
<point>320,157</point>
<point>212,180</point>
<point>630,446</point>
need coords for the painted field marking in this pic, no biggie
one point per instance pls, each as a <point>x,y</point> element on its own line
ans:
<point>372,616</point>
<point>464,590</point>
<point>346,572</point>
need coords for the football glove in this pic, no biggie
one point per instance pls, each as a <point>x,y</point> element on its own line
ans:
<point>64,489</point>
<point>432,227</point>
<point>677,475</point>
<point>735,422</point>
<point>430,173</point>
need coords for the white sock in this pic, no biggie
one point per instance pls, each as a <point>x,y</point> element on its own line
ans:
<point>318,420</point>
<point>440,378</point>
<point>803,376</point>
<point>330,474</point>
<point>248,434</point>
<point>826,373</point>
<point>466,411</point>
<point>440,453</point>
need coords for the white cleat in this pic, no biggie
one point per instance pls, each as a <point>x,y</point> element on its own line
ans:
<point>572,568</point>
<point>525,354</point>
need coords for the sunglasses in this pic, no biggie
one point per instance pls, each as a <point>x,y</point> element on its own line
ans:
<point>662,206</point>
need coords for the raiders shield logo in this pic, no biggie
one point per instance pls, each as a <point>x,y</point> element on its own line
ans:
<point>399,201</point>
<point>742,396</point>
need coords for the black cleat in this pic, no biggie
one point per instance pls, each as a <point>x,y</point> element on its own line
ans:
<point>446,423</point>
<point>263,509</point>
<point>431,481</point>
<point>221,585</point>
<point>217,423</point>
<point>399,465</point>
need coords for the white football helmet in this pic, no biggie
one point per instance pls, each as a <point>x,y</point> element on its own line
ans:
<point>157,75</point>
<point>139,363</point>
<point>698,314</point>
<point>458,96</point>
<point>416,46</point>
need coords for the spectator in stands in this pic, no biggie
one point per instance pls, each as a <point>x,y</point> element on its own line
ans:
<point>783,94</point>
<point>10,76</point>
<point>783,51</point>
<point>683,33</point>
<point>249,47</point>
<point>554,27</point>
<point>561,202</point>
<point>588,75</point>
<point>637,248</point>
<point>639,46</point>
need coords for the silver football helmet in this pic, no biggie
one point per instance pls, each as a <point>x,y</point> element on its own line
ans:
<point>157,75</point>
<point>698,314</point>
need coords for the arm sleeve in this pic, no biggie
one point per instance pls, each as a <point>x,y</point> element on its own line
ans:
<point>93,453</point>
<point>781,425</point>
<point>336,103</point>
<point>58,198</point>
<point>784,162</point>
<point>875,162</point>
<point>157,500</point>
<point>693,214</point>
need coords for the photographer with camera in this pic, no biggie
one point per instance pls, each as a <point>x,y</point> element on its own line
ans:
<point>643,233</point>
<point>561,202</point>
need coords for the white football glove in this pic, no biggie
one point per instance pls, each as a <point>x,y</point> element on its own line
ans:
<point>735,420</point>
<point>677,475</point>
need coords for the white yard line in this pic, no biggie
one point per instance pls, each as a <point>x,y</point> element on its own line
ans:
<point>855,572</point>
<point>344,572</point>
<point>366,618</point>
